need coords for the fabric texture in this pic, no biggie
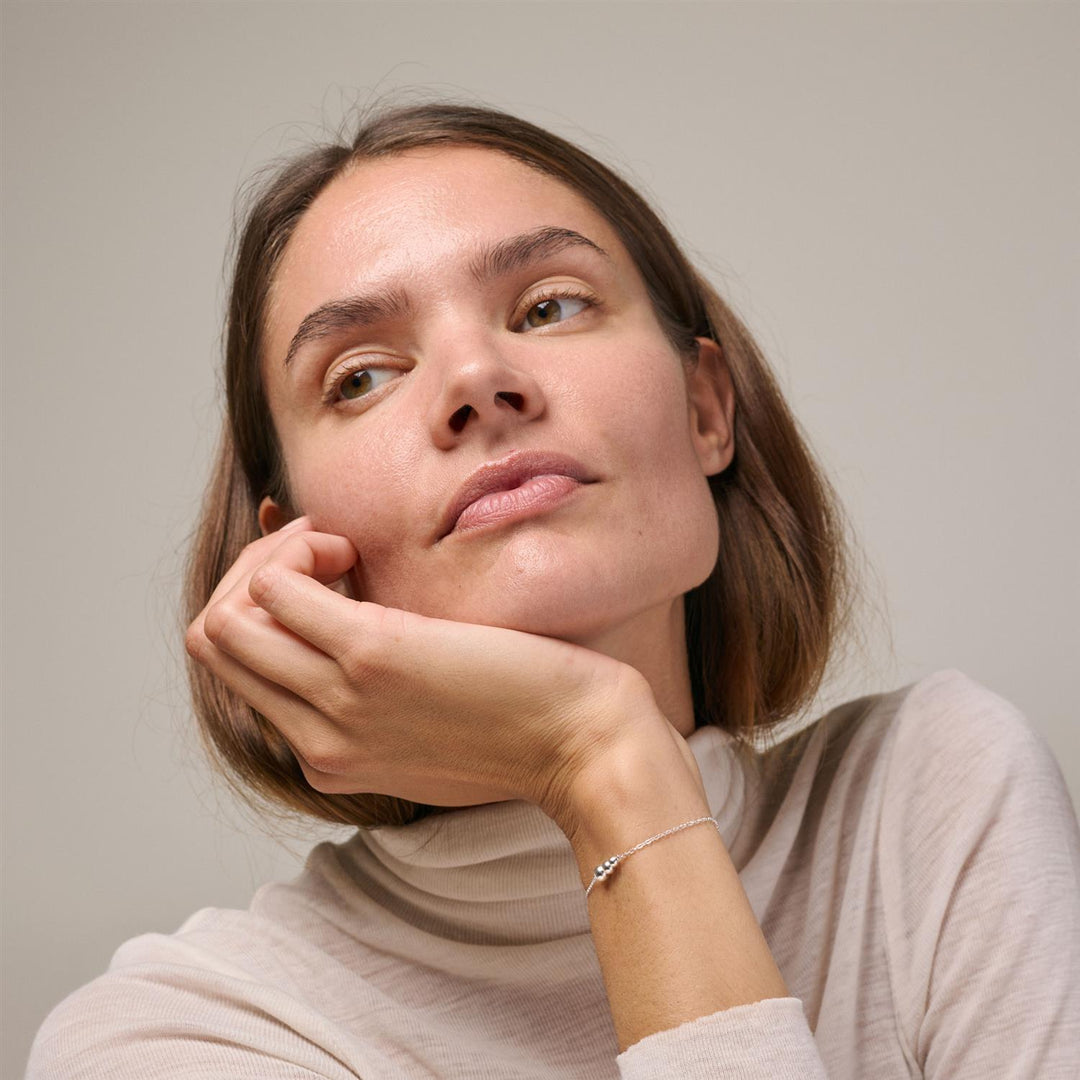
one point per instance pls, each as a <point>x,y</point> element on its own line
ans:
<point>917,878</point>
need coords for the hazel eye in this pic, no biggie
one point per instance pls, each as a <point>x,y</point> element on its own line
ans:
<point>355,385</point>
<point>358,383</point>
<point>554,309</point>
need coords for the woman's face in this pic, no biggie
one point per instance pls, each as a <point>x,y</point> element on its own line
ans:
<point>477,309</point>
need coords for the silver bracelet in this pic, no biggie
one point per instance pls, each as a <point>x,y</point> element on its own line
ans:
<point>608,865</point>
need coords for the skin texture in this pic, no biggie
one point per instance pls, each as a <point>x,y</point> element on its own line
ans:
<point>606,569</point>
<point>541,658</point>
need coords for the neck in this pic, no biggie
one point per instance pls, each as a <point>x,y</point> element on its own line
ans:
<point>654,642</point>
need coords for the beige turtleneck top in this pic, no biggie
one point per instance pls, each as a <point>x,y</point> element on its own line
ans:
<point>917,878</point>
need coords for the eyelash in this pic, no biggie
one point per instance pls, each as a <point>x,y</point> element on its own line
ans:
<point>567,292</point>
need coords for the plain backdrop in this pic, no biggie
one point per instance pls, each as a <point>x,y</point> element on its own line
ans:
<point>885,192</point>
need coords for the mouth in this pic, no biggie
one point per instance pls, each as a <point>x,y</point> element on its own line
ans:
<point>522,483</point>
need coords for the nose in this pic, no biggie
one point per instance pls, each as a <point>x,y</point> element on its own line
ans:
<point>483,396</point>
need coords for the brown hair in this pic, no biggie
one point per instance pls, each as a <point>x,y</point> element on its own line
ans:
<point>760,630</point>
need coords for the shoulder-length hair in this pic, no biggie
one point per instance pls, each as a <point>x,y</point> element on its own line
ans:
<point>759,630</point>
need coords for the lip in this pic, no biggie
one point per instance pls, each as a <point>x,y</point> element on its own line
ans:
<point>508,473</point>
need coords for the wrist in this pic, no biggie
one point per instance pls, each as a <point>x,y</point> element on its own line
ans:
<point>642,785</point>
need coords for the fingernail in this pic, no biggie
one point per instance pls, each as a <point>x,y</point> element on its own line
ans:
<point>295,524</point>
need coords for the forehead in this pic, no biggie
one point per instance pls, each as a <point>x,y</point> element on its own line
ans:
<point>416,214</point>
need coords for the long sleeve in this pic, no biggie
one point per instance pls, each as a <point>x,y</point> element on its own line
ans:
<point>769,1040</point>
<point>168,1020</point>
<point>980,864</point>
<point>693,988</point>
<point>917,881</point>
<point>963,846</point>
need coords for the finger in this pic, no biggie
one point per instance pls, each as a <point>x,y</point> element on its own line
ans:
<point>256,640</point>
<point>326,557</point>
<point>331,622</point>
<point>254,554</point>
<point>322,556</point>
<point>316,746</point>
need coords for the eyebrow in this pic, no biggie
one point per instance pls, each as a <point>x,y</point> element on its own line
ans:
<point>353,312</point>
<point>516,251</point>
<point>345,314</point>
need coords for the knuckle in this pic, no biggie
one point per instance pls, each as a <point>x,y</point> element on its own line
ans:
<point>367,678</point>
<point>367,643</point>
<point>217,623</point>
<point>332,699</point>
<point>264,582</point>
<point>194,640</point>
<point>296,548</point>
<point>389,624</point>
<point>357,660</point>
<point>328,757</point>
<point>328,785</point>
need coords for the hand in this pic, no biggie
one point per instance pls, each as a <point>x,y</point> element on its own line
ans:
<point>377,699</point>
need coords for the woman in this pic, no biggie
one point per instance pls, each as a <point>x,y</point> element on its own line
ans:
<point>511,552</point>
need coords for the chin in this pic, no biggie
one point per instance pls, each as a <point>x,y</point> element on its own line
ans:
<point>570,585</point>
<point>578,623</point>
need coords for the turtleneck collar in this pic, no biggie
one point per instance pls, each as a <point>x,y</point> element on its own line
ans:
<point>512,851</point>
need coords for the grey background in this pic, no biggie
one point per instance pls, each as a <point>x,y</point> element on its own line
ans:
<point>887,193</point>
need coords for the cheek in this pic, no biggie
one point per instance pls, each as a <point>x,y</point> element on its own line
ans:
<point>361,495</point>
<point>647,415</point>
<point>673,511</point>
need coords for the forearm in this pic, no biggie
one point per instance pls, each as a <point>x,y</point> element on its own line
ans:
<point>673,930</point>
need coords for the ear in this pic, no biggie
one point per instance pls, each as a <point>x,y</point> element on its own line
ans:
<point>711,399</point>
<point>271,516</point>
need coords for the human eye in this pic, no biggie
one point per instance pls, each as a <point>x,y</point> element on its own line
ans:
<point>352,382</point>
<point>553,306</point>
